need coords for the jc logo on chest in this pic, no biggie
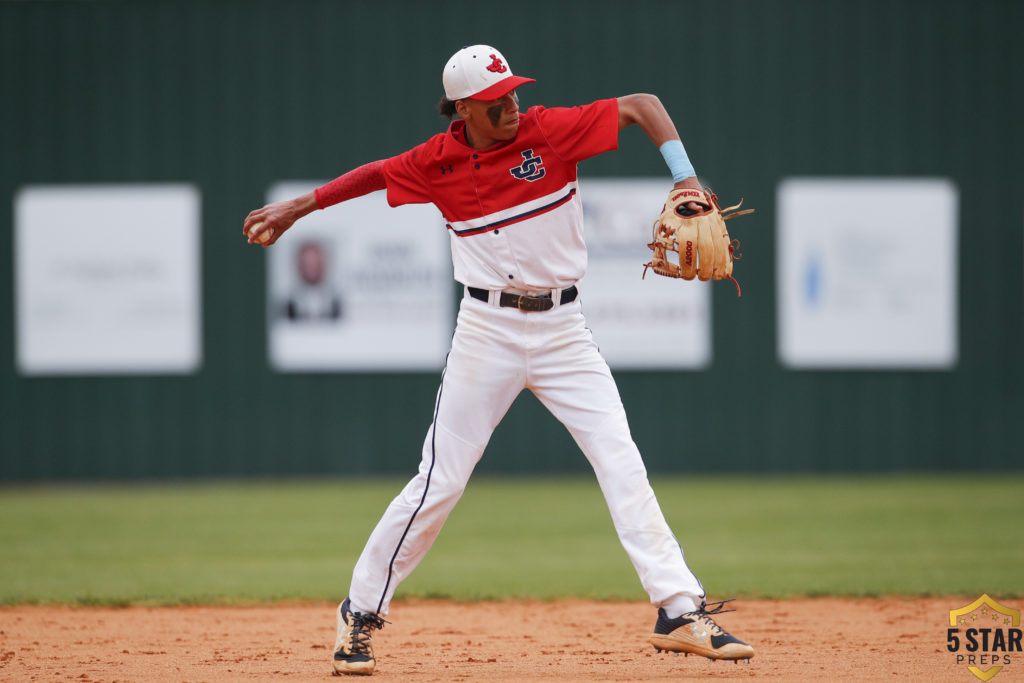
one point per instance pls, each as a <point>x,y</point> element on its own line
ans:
<point>531,169</point>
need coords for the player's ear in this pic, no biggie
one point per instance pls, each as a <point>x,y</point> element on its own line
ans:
<point>461,108</point>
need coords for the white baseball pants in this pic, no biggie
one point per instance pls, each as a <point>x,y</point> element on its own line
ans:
<point>496,353</point>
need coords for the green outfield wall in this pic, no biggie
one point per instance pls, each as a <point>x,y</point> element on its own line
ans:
<point>234,96</point>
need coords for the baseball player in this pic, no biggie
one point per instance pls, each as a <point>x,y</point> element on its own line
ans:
<point>505,182</point>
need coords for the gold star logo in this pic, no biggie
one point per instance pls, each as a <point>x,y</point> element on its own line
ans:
<point>985,606</point>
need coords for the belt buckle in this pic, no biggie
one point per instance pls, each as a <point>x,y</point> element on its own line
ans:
<point>533,304</point>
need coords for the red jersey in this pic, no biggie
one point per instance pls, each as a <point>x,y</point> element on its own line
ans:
<point>513,210</point>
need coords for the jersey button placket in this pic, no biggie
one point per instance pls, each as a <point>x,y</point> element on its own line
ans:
<point>496,231</point>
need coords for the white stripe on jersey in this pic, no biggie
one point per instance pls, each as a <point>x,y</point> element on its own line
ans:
<point>530,209</point>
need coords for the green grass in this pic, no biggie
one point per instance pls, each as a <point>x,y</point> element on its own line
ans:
<point>542,538</point>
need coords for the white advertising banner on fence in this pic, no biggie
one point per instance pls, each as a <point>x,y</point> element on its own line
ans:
<point>867,273</point>
<point>107,279</point>
<point>638,322</point>
<point>360,286</point>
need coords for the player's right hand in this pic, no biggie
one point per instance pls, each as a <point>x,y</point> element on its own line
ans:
<point>278,217</point>
<point>272,219</point>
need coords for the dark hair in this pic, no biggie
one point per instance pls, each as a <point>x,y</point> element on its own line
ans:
<point>446,107</point>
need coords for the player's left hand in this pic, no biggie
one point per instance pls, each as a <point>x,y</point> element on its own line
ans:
<point>692,225</point>
<point>691,183</point>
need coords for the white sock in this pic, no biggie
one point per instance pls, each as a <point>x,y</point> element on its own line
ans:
<point>679,605</point>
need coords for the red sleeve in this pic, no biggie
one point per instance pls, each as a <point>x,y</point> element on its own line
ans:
<point>357,182</point>
<point>404,177</point>
<point>578,133</point>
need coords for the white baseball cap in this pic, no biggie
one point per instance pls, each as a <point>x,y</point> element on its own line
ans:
<point>479,72</point>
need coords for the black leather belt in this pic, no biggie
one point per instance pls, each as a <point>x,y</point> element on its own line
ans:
<point>527,302</point>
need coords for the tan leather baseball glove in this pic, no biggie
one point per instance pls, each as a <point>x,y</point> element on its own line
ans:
<point>692,225</point>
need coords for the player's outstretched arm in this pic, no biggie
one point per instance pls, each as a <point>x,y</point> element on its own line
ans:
<point>650,114</point>
<point>273,219</point>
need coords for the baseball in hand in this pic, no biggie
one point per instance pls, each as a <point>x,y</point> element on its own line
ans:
<point>265,237</point>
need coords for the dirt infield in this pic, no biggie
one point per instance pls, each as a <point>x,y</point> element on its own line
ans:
<point>439,641</point>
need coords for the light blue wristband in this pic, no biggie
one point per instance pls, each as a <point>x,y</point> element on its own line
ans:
<point>678,163</point>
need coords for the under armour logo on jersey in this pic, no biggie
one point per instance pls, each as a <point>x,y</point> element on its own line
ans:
<point>447,169</point>
<point>530,169</point>
<point>496,65</point>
